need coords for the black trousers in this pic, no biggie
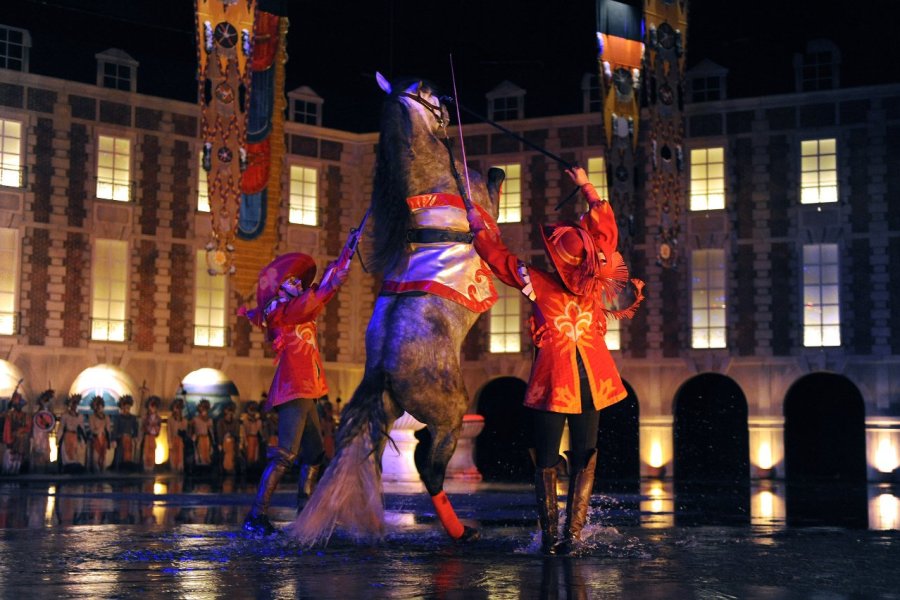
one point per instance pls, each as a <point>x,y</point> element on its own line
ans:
<point>548,429</point>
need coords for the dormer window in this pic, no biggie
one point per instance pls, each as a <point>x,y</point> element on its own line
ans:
<point>591,94</point>
<point>506,102</point>
<point>817,68</point>
<point>14,46</point>
<point>706,82</point>
<point>305,106</point>
<point>116,70</point>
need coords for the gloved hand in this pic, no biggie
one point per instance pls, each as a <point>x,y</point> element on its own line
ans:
<point>476,221</point>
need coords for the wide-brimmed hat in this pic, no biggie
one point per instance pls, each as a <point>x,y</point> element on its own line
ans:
<point>572,251</point>
<point>294,264</point>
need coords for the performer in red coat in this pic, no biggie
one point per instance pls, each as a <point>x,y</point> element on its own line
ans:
<point>288,304</point>
<point>573,376</point>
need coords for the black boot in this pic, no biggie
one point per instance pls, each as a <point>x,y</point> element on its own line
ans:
<point>581,484</point>
<point>548,507</point>
<point>309,477</point>
<point>257,520</point>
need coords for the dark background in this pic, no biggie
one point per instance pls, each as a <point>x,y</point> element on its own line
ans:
<point>545,46</point>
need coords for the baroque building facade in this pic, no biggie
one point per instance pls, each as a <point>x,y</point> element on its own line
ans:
<point>788,234</point>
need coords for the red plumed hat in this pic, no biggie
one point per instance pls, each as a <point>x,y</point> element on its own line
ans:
<point>572,251</point>
<point>294,264</point>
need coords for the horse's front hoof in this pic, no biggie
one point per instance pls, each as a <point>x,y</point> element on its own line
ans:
<point>468,535</point>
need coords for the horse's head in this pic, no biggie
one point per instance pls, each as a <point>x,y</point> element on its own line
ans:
<point>421,100</point>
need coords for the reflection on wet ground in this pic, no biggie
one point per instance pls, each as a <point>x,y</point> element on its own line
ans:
<point>175,538</point>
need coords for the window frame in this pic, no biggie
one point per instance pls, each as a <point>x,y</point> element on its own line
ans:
<point>114,184</point>
<point>109,299</point>
<point>705,283</point>
<point>20,169</point>
<point>806,160</point>
<point>510,339</point>
<point>290,193</point>
<point>504,217</point>
<point>15,282</point>
<point>814,282</point>
<point>694,177</point>
<point>201,271</point>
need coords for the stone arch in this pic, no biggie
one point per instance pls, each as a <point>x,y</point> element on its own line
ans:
<point>107,381</point>
<point>711,452</point>
<point>825,451</point>
<point>501,451</point>
<point>618,445</point>
<point>212,384</point>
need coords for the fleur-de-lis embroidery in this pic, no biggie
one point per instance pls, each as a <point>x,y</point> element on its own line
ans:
<point>573,322</point>
<point>605,390</point>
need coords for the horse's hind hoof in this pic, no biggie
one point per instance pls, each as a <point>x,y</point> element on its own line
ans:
<point>468,535</point>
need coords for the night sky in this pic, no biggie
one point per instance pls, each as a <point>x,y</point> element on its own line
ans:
<point>336,46</point>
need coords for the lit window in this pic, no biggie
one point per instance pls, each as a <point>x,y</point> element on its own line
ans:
<point>506,321</point>
<point>209,306</point>
<point>818,171</point>
<point>14,45</point>
<point>202,187</point>
<point>708,299</point>
<point>821,296</point>
<point>11,153</point>
<point>707,178</point>
<point>596,172</point>
<point>9,279</point>
<point>109,294</point>
<point>613,335</point>
<point>303,200</point>
<point>510,195</point>
<point>114,168</point>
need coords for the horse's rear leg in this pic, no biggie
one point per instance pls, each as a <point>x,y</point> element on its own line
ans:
<point>432,457</point>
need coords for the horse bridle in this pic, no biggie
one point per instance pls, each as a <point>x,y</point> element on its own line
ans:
<point>435,109</point>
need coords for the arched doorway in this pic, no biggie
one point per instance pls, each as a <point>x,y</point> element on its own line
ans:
<point>210,384</point>
<point>108,382</point>
<point>618,446</point>
<point>501,451</point>
<point>825,452</point>
<point>711,452</point>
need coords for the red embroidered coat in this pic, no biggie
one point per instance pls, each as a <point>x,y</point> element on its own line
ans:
<point>561,325</point>
<point>291,327</point>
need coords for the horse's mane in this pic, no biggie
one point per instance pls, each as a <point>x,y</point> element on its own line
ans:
<point>390,188</point>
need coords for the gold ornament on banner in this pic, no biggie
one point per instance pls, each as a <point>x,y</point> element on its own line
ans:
<point>225,45</point>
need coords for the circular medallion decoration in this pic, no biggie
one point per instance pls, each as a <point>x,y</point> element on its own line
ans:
<point>665,36</point>
<point>224,155</point>
<point>622,81</point>
<point>224,93</point>
<point>44,420</point>
<point>666,95</point>
<point>226,35</point>
<point>621,173</point>
<point>665,153</point>
<point>665,251</point>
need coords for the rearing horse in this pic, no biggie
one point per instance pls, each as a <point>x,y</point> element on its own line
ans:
<point>435,286</point>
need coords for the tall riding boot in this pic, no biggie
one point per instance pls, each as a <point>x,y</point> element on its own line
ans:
<point>581,484</point>
<point>257,520</point>
<point>309,477</point>
<point>548,507</point>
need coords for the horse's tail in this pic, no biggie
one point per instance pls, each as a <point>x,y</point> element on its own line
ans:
<point>349,495</point>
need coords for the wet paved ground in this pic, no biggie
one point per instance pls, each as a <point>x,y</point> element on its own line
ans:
<point>146,538</point>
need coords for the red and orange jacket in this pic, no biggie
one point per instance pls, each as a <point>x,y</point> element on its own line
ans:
<point>291,327</point>
<point>562,324</point>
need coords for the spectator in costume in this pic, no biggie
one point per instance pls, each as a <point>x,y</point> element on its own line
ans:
<point>202,435</point>
<point>228,436</point>
<point>177,433</point>
<point>125,434</point>
<point>99,425</point>
<point>151,425</point>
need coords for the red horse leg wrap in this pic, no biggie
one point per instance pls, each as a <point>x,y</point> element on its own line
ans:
<point>447,515</point>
